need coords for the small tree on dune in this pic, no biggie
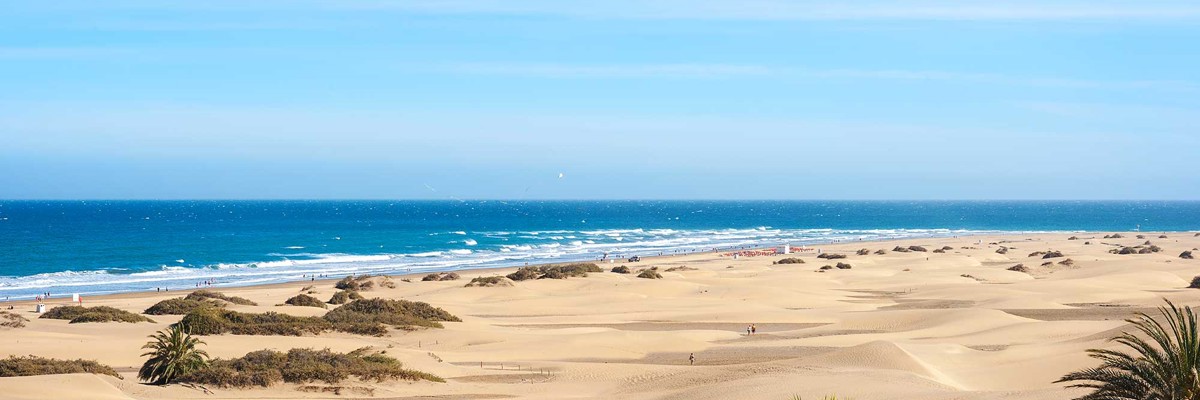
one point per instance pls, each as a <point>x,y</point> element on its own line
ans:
<point>172,353</point>
<point>1167,367</point>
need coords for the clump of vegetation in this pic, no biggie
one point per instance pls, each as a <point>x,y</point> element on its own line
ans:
<point>34,365</point>
<point>173,352</point>
<point>1162,236</point>
<point>364,282</point>
<point>344,296</point>
<point>208,294</point>
<point>1141,249</point>
<point>916,248</point>
<point>1019,268</point>
<point>1037,254</point>
<point>621,269</point>
<point>1141,236</point>
<point>1002,250</point>
<point>1052,254</point>
<point>651,273</point>
<point>939,251</point>
<point>863,252</point>
<point>843,266</point>
<point>304,300</point>
<point>180,306</point>
<point>790,260</point>
<point>489,281</point>
<point>12,320</point>
<point>1073,238</point>
<point>81,314</point>
<point>681,268</point>
<point>265,368</point>
<point>1113,236</point>
<point>899,249</point>
<point>1067,263</point>
<point>1162,368</point>
<point>831,256</point>
<point>399,313</point>
<point>559,271</point>
<point>825,267</point>
<point>1048,264</point>
<point>881,251</point>
<point>215,321</point>
<point>440,276</point>
<point>1186,255</point>
<point>1195,282</point>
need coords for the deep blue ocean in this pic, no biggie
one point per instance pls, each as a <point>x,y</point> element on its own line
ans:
<point>122,246</point>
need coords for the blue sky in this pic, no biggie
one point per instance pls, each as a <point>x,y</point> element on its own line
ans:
<point>900,99</point>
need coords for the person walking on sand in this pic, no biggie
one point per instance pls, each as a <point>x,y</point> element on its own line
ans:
<point>753,329</point>
<point>748,331</point>
<point>692,359</point>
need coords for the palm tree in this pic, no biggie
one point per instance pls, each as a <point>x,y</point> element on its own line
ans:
<point>1167,368</point>
<point>172,353</point>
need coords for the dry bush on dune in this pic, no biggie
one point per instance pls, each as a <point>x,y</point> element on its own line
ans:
<point>1113,236</point>
<point>790,260</point>
<point>651,273</point>
<point>863,252</point>
<point>489,281</point>
<point>1073,238</point>
<point>1019,268</point>
<point>826,267</point>
<point>12,320</point>
<point>364,282</point>
<point>1186,255</point>
<point>1195,282</point>
<point>203,294</point>
<point>1162,236</point>
<point>881,251</point>
<point>34,365</point>
<point>181,306</point>
<point>367,317</point>
<point>80,314</point>
<point>265,368</point>
<point>916,248</point>
<point>344,297</point>
<point>1036,254</point>
<point>831,256</point>
<point>1052,254</point>
<point>938,251</point>
<point>1068,262</point>
<point>621,269</point>
<point>681,268</point>
<point>1048,264</point>
<point>304,300</point>
<point>442,276</point>
<point>1002,250</point>
<point>560,271</point>
<point>1141,236</point>
<point>399,313</point>
<point>899,249</point>
<point>843,266</point>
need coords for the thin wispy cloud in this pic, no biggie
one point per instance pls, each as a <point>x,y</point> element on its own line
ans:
<point>608,71</point>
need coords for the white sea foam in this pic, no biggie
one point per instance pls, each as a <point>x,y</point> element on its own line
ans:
<point>538,246</point>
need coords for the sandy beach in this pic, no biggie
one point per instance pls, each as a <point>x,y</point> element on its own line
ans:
<point>957,324</point>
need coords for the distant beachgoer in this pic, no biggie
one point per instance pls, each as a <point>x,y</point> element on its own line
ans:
<point>749,331</point>
<point>692,359</point>
<point>753,329</point>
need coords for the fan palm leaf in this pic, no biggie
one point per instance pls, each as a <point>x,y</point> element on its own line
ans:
<point>173,352</point>
<point>1162,363</point>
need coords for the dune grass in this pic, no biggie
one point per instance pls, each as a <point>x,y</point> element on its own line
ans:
<point>81,314</point>
<point>10,319</point>
<point>34,365</point>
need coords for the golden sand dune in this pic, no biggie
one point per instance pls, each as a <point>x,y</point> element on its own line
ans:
<point>901,325</point>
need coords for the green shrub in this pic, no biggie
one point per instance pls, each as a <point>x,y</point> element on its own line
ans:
<point>621,269</point>
<point>80,314</point>
<point>265,368</point>
<point>440,276</point>
<point>203,294</point>
<point>180,306</point>
<point>212,321</point>
<point>34,365</point>
<point>790,260</point>
<point>559,271</point>
<point>489,281</point>
<point>304,300</point>
<point>399,313</point>
<point>344,297</point>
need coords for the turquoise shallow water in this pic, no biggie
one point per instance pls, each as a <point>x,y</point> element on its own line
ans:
<point>119,246</point>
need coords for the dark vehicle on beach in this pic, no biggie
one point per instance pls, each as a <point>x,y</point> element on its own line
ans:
<point>635,259</point>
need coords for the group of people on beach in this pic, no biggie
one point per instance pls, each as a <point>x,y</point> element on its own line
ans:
<point>751,329</point>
